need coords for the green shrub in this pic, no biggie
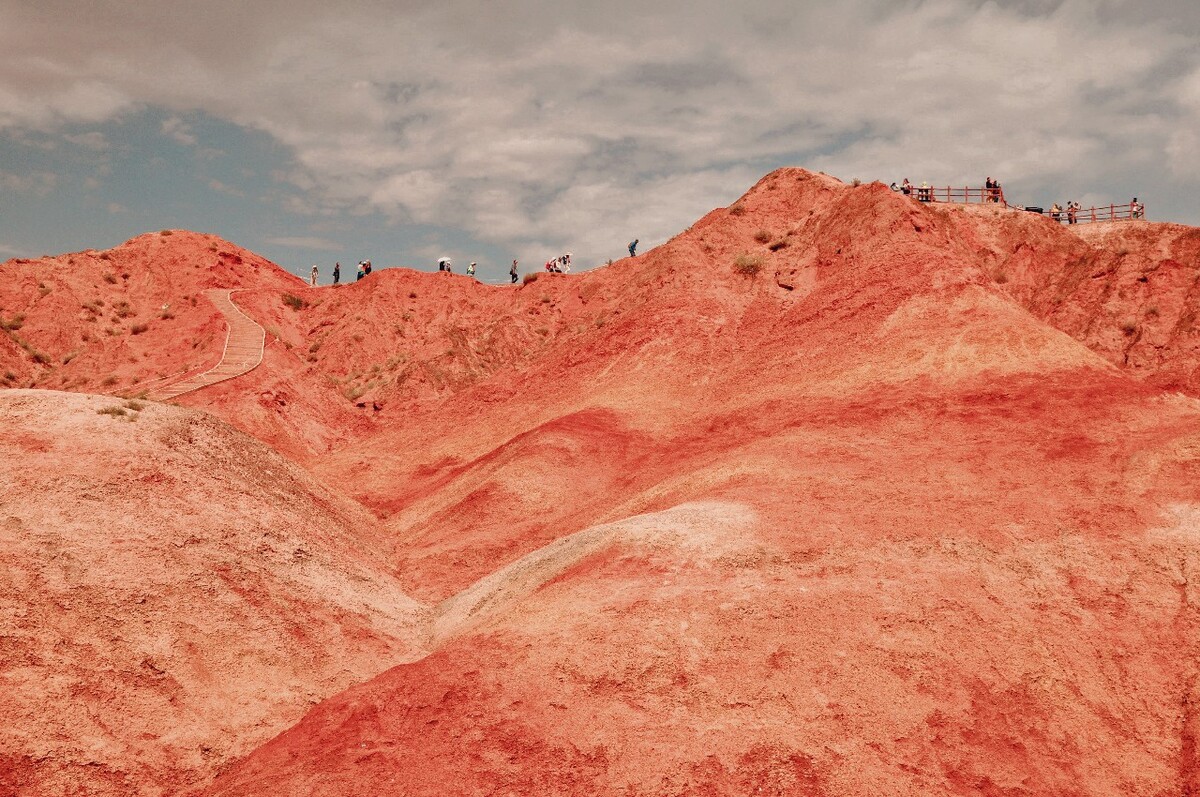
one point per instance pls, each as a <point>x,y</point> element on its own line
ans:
<point>294,302</point>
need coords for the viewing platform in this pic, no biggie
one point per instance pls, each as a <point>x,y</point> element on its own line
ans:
<point>967,195</point>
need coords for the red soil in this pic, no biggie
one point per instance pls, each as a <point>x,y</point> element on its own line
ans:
<point>889,508</point>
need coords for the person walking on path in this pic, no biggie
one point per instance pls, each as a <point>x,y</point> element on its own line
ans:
<point>633,247</point>
<point>312,278</point>
<point>337,272</point>
<point>512,273</point>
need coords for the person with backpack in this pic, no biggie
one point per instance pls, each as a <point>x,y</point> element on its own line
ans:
<point>633,247</point>
<point>512,272</point>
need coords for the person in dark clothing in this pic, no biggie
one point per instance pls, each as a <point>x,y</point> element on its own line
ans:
<point>337,272</point>
<point>633,247</point>
<point>512,272</point>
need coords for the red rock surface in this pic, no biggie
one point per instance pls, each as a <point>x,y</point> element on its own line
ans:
<point>886,509</point>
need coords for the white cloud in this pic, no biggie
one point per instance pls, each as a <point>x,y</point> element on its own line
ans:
<point>179,130</point>
<point>533,124</point>
<point>39,183</point>
<point>222,188</point>
<point>303,242</point>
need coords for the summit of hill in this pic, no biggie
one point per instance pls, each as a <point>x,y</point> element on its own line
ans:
<point>835,492</point>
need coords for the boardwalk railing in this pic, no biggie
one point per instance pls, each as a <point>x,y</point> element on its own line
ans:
<point>967,196</point>
<point>1098,213</point>
<point>959,196</point>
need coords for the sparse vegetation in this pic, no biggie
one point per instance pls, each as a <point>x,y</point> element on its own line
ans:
<point>762,236</point>
<point>748,264</point>
<point>528,278</point>
<point>136,406</point>
<point>109,381</point>
<point>123,310</point>
<point>412,294</point>
<point>545,300</point>
<point>856,182</point>
<point>114,411</point>
<point>294,302</point>
<point>737,209</point>
<point>1129,327</point>
<point>777,244</point>
<point>12,324</point>
<point>110,278</point>
<point>164,233</point>
<point>138,329</point>
<point>1152,311</point>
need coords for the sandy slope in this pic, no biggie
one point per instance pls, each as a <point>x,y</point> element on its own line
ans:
<point>174,593</point>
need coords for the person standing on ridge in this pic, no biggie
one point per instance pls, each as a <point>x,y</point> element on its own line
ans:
<point>633,247</point>
<point>337,272</point>
<point>312,278</point>
<point>360,274</point>
<point>366,268</point>
<point>471,269</point>
<point>512,272</point>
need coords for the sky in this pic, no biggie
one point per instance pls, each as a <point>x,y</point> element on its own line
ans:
<point>404,131</point>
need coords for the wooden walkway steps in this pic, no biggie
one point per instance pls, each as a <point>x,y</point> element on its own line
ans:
<point>243,351</point>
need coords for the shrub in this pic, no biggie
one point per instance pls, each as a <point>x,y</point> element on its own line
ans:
<point>762,236</point>
<point>9,376</point>
<point>778,244</point>
<point>123,310</point>
<point>138,329</point>
<point>116,412</point>
<point>528,278</point>
<point>545,300</point>
<point>41,358</point>
<point>164,232</point>
<point>111,279</point>
<point>14,323</point>
<point>412,294</point>
<point>136,406</point>
<point>748,264</point>
<point>1152,311</point>
<point>856,182</point>
<point>737,209</point>
<point>294,302</point>
<point>110,380</point>
<point>1128,327</point>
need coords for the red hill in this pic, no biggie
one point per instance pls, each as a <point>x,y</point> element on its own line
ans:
<point>834,493</point>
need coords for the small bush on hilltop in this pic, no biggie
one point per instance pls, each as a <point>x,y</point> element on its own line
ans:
<point>748,264</point>
<point>737,209</point>
<point>528,278</point>
<point>14,323</point>
<point>294,302</point>
<point>762,236</point>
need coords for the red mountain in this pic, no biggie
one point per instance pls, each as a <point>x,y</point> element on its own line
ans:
<point>834,493</point>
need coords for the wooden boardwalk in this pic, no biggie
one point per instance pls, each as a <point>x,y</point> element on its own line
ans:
<point>243,351</point>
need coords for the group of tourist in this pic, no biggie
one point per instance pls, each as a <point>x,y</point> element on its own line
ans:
<point>557,265</point>
<point>1072,212</point>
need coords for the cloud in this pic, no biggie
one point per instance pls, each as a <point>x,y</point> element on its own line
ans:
<point>116,208</point>
<point>179,130</point>
<point>302,242</point>
<point>222,188</point>
<point>94,141</point>
<point>39,183</point>
<point>536,125</point>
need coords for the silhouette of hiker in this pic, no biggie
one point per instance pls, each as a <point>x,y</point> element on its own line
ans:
<point>337,272</point>
<point>312,279</point>
<point>512,272</point>
<point>633,247</point>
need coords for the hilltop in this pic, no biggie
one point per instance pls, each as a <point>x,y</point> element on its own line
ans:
<point>833,493</point>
